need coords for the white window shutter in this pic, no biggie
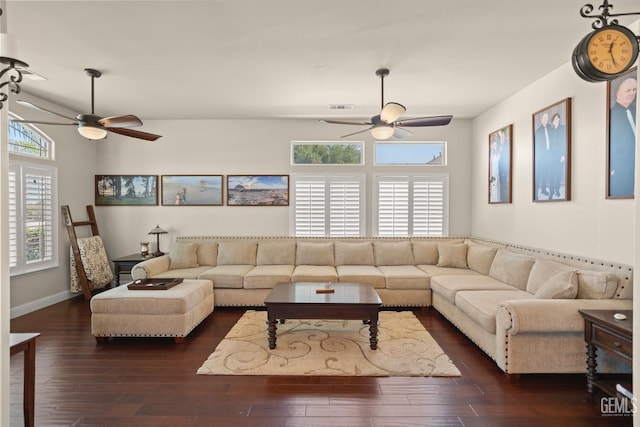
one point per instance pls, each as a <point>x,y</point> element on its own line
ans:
<point>13,218</point>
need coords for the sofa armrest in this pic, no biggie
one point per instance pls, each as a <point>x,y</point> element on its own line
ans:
<point>150,267</point>
<point>552,315</point>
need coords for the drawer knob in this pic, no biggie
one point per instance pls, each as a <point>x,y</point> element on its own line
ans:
<point>617,344</point>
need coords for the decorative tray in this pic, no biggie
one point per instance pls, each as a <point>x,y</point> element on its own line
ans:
<point>153,284</point>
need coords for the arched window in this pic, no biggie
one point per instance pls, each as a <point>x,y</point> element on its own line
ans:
<point>26,140</point>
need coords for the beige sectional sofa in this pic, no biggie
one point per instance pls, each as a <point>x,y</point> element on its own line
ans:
<point>519,305</point>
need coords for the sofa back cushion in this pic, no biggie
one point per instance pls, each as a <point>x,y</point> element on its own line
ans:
<point>237,252</point>
<point>562,285</point>
<point>393,253</point>
<point>480,257</point>
<point>425,253</point>
<point>274,252</point>
<point>511,268</point>
<point>315,253</point>
<point>183,255</point>
<point>454,256</point>
<point>543,270</point>
<point>354,253</point>
<point>596,284</point>
<point>208,253</point>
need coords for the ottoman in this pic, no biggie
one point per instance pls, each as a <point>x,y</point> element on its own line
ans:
<point>174,312</point>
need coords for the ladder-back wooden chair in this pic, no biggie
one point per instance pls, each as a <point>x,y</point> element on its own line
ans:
<point>85,277</point>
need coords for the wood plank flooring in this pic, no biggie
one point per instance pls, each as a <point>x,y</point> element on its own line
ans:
<point>152,382</point>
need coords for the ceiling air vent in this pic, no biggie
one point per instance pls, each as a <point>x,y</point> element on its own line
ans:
<point>340,106</point>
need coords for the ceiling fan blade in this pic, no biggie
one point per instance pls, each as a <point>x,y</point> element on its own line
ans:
<point>401,133</point>
<point>426,121</point>
<point>34,106</point>
<point>392,112</point>
<point>355,133</point>
<point>35,122</point>
<point>121,121</point>
<point>134,133</point>
<point>342,122</point>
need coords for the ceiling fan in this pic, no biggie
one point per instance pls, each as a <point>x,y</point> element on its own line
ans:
<point>92,126</point>
<point>386,124</point>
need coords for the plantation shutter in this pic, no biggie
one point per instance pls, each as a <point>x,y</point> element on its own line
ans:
<point>309,217</point>
<point>428,208</point>
<point>345,207</point>
<point>393,207</point>
<point>13,219</point>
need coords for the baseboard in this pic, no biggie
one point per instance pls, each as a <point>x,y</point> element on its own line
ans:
<point>32,306</point>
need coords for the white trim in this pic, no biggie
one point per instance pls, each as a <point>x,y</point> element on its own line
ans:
<point>41,303</point>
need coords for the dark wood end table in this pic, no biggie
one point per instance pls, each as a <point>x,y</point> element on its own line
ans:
<point>125,264</point>
<point>299,300</point>
<point>26,342</point>
<point>603,331</point>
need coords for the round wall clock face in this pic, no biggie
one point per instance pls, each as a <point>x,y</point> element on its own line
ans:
<point>612,50</point>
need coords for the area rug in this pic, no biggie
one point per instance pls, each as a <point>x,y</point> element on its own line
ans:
<point>329,347</point>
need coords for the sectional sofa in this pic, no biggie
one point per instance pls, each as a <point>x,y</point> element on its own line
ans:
<point>519,305</point>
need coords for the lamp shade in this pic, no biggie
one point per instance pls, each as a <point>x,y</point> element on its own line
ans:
<point>91,132</point>
<point>158,230</point>
<point>382,131</point>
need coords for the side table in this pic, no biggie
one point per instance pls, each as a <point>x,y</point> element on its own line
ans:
<point>26,342</point>
<point>125,264</point>
<point>602,331</point>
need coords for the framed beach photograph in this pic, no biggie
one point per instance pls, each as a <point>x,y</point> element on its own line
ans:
<point>257,190</point>
<point>552,153</point>
<point>191,190</point>
<point>622,128</point>
<point>126,190</point>
<point>500,143</point>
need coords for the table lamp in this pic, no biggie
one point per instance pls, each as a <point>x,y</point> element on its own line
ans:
<point>158,231</point>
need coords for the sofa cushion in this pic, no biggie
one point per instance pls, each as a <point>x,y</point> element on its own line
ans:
<point>596,284</point>
<point>183,255</point>
<point>563,285</point>
<point>266,276</point>
<point>452,255</point>
<point>434,270</point>
<point>237,252</point>
<point>227,276</point>
<point>315,253</point>
<point>482,306</point>
<point>354,253</point>
<point>361,274</point>
<point>314,273</point>
<point>480,257</point>
<point>185,273</point>
<point>393,253</point>
<point>425,252</point>
<point>542,271</point>
<point>448,286</point>
<point>208,253</point>
<point>276,252</point>
<point>511,268</point>
<point>404,277</point>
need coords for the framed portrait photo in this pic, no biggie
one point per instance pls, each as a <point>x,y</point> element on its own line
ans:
<point>257,190</point>
<point>126,190</point>
<point>191,190</point>
<point>500,143</point>
<point>552,153</point>
<point>622,128</point>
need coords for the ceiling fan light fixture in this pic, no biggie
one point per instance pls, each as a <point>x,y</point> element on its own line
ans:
<point>382,131</point>
<point>392,112</point>
<point>92,132</point>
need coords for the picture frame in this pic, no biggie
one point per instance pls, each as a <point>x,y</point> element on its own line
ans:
<point>500,161</point>
<point>191,190</point>
<point>622,127</point>
<point>257,190</point>
<point>126,190</point>
<point>551,129</point>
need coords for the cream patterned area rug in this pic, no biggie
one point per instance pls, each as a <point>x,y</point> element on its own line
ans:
<point>329,347</point>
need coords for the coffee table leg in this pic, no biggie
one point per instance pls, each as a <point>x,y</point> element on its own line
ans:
<point>373,333</point>
<point>272,333</point>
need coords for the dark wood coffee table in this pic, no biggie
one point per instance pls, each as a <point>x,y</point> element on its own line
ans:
<point>300,300</point>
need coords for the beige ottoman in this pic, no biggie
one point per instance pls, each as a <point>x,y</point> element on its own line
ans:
<point>174,312</point>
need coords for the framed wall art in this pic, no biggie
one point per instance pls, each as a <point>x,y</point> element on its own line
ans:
<point>257,190</point>
<point>191,190</point>
<point>500,143</point>
<point>552,153</point>
<point>126,190</point>
<point>621,135</point>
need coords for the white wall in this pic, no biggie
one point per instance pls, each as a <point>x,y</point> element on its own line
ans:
<point>588,224</point>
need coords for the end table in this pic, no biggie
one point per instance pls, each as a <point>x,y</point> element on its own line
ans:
<point>125,264</point>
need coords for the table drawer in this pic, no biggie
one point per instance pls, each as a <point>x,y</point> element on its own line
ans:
<point>611,341</point>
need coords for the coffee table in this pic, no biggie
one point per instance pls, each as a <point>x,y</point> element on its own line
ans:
<point>301,300</point>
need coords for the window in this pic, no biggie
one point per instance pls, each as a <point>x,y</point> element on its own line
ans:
<point>327,153</point>
<point>331,205</point>
<point>410,153</point>
<point>411,205</point>
<point>32,202</point>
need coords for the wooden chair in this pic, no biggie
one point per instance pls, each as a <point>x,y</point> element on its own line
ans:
<point>77,256</point>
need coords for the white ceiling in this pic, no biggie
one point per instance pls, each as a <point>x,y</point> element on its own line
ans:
<point>293,58</point>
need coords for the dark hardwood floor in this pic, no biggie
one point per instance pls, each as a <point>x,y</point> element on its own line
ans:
<point>153,382</point>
